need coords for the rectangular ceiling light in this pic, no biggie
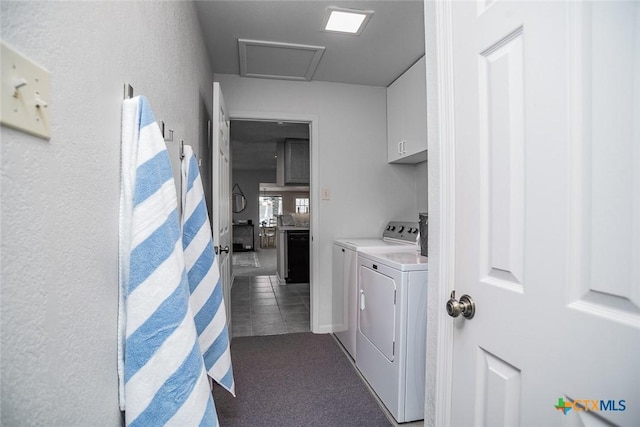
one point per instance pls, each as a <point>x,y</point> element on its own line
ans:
<point>349,21</point>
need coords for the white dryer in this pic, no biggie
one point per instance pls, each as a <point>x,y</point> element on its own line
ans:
<point>392,329</point>
<point>397,236</point>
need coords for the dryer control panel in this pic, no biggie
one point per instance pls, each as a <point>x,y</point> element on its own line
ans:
<point>405,231</point>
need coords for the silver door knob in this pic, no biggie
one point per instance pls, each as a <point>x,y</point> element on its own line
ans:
<point>465,306</point>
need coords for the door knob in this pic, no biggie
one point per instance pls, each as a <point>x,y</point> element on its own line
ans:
<point>465,306</point>
<point>220,249</point>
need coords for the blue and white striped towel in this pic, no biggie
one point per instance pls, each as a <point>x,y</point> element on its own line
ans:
<point>207,301</point>
<point>161,366</point>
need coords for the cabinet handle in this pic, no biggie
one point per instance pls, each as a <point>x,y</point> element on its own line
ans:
<point>400,147</point>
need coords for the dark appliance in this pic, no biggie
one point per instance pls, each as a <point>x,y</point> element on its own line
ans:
<point>297,257</point>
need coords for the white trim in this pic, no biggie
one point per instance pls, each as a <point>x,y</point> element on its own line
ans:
<point>314,198</point>
<point>446,125</point>
<point>311,67</point>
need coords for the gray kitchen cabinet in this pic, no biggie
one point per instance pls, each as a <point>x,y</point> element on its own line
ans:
<point>296,163</point>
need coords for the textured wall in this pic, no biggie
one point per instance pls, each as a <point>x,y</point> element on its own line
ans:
<point>60,197</point>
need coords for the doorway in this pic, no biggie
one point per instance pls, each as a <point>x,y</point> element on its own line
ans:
<point>264,301</point>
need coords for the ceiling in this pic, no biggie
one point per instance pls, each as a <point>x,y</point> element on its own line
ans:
<point>392,41</point>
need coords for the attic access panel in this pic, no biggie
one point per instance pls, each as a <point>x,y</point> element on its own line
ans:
<point>274,60</point>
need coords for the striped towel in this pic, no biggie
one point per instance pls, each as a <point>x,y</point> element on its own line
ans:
<point>207,302</point>
<point>162,375</point>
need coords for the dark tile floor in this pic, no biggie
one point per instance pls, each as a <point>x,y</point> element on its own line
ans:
<point>261,305</point>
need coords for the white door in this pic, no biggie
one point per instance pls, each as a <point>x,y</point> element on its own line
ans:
<point>547,212</point>
<point>221,188</point>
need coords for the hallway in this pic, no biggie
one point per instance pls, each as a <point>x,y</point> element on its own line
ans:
<point>261,305</point>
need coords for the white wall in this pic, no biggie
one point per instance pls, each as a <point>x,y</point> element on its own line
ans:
<point>366,191</point>
<point>60,197</point>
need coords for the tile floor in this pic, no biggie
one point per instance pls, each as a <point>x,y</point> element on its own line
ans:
<point>261,305</point>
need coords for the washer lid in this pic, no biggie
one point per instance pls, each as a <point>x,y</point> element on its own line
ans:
<point>400,260</point>
<point>373,243</point>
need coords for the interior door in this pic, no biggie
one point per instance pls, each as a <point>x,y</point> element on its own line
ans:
<point>221,188</point>
<point>547,212</point>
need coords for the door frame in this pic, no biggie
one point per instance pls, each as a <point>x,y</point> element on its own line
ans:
<point>444,230</point>
<point>314,194</point>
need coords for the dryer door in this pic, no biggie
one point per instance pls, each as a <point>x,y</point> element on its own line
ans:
<point>377,321</point>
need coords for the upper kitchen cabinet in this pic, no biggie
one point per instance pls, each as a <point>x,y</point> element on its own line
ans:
<point>407,116</point>
<point>296,161</point>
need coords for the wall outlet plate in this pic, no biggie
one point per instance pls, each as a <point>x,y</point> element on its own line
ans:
<point>26,94</point>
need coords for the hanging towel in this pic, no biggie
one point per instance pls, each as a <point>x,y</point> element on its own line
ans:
<point>162,375</point>
<point>203,274</point>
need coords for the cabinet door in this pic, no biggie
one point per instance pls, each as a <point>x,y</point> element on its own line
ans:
<point>407,116</point>
<point>395,117</point>
<point>415,129</point>
<point>296,162</point>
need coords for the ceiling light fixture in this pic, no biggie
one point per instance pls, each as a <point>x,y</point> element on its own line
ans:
<point>349,21</point>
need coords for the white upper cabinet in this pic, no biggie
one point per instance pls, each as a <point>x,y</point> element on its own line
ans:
<point>407,116</point>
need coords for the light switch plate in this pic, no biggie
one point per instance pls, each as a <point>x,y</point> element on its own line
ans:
<point>326,194</point>
<point>26,94</point>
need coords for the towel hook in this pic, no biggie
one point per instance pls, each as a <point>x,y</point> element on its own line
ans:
<point>128,91</point>
<point>167,134</point>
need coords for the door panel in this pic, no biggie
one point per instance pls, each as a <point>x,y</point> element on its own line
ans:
<point>607,185</point>
<point>502,186</point>
<point>547,212</point>
<point>498,391</point>
<point>221,192</point>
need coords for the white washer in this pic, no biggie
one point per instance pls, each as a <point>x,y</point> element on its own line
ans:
<point>392,325</point>
<point>397,236</point>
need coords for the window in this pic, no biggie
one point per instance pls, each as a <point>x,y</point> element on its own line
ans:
<point>270,207</point>
<point>302,205</point>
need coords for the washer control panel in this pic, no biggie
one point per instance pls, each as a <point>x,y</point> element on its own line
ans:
<point>406,231</point>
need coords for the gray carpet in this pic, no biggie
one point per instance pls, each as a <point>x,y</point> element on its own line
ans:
<point>295,380</point>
